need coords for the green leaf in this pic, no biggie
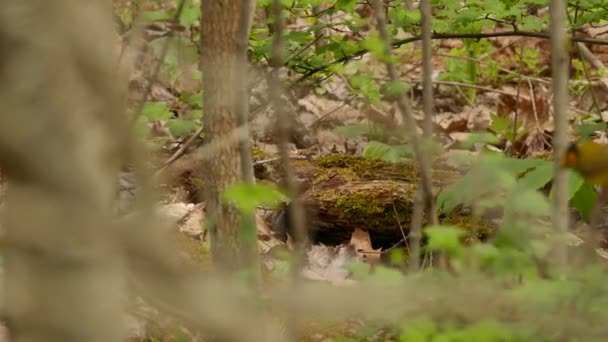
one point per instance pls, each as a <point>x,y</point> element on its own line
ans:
<point>493,172</point>
<point>248,196</point>
<point>500,124</point>
<point>190,14</point>
<point>374,44</point>
<point>538,177</point>
<point>479,137</point>
<point>378,150</point>
<point>345,5</point>
<point>583,200</point>
<point>575,181</point>
<point>397,257</point>
<point>194,100</point>
<point>151,16</point>
<point>584,131</point>
<point>445,238</point>
<point>394,88</point>
<point>156,111</point>
<point>196,114</point>
<point>180,127</point>
<point>352,131</point>
<point>528,202</point>
<point>531,23</point>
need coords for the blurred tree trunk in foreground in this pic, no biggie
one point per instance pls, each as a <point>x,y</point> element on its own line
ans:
<point>60,148</point>
<point>219,38</point>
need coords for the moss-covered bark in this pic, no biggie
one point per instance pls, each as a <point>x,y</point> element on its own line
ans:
<point>347,192</point>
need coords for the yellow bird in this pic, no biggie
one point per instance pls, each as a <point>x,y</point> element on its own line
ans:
<point>590,160</point>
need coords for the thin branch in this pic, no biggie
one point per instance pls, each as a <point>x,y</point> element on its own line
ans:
<point>434,36</point>
<point>559,67</point>
<point>182,149</point>
<point>424,199</point>
<point>304,48</point>
<point>589,57</point>
<point>408,118</point>
<point>296,210</point>
<point>163,54</point>
<point>517,100</point>
<point>248,236</point>
<point>271,160</point>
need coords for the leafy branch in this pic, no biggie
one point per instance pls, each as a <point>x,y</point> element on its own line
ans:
<point>435,36</point>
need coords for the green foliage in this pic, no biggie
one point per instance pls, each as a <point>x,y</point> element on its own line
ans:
<point>156,111</point>
<point>584,131</point>
<point>503,127</point>
<point>495,174</point>
<point>248,196</point>
<point>180,127</point>
<point>391,153</point>
<point>445,238</point>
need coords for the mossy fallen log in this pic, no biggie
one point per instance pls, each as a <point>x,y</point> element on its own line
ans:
<point>345,192</point>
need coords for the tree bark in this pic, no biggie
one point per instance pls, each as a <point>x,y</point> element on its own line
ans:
<point>60,147</point>
<point>219,31</point>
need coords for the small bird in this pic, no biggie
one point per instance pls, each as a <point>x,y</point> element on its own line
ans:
<point>590,160</point>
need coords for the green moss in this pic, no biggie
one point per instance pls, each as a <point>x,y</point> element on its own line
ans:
<point>259,154</point>
<point>477,229</point>
<point>380,207</point>
<point>353,168</point>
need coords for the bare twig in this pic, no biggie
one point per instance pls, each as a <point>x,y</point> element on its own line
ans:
<point>405,110</point>
<point>296,210</point>
<point>466,85</point>
<point>590,58</point>
<point>559,66</point>
<point>304,48</point>
<point>270,160</point>
<point>399,223</point>
<point>161,59</point>
<point>248,234</point>
<point>182,149</point>
<point>517,99</point>
<point>424,198</point>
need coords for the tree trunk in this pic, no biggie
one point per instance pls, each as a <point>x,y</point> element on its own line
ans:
<point>60,150</point>
<point>219,30</point>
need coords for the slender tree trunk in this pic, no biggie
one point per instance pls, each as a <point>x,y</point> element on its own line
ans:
<point>219,31</point>
<point>559,69</point>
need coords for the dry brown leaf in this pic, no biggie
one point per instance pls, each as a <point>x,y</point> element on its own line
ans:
<point>452,122</point>
<point>362,243</point>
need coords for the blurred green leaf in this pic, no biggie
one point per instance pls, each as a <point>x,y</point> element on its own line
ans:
<point>352,131</point>
<point>150,16</point>
<point>585,131</point>
<point>391,153</point>
<point>156,111</point>
<point>346,5</point>
<point>538,177</point>
<point>479,137</point>
<point>180,127</point>
<point>584,200</point>
<point>444,238</point>
<point>248,196</point>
